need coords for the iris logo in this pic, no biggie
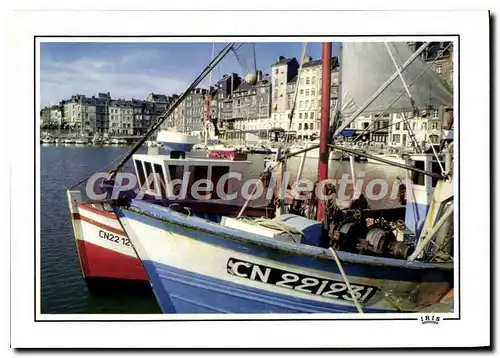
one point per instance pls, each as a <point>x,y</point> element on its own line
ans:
<point>430,319</point>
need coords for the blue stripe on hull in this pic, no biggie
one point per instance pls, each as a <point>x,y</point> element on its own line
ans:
<point>180,291</point>
<point>371,267</point>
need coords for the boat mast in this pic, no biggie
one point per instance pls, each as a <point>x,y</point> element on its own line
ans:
<point>325,119</point>
<point>338,106</point>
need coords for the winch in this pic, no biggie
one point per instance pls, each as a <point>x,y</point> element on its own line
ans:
<point>379,239</point>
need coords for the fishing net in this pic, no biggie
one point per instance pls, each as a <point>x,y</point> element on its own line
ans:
<point>245,55</point>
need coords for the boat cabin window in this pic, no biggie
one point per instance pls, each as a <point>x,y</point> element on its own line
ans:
<point>198,172</point>
<point>416,177</point>
<point>217,173</point>
<point>140,172</point>
<point>150,181</point>
<point>175,171</point>
<point>436,169</point>
<point>161,177</point>
<point>419,179</point>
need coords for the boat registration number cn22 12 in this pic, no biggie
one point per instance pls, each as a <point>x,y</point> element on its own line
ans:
<point>114,238</point>
<point>292,280</point>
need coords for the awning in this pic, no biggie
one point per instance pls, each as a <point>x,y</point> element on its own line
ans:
<point>348,132</point>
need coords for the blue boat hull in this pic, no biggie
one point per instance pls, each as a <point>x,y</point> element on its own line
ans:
<point>197,266</point>
<point>180,291</point>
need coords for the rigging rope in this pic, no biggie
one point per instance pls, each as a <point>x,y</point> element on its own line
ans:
<point>341,269</point>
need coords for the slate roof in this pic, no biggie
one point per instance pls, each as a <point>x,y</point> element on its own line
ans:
<point>313,63</point>
<point>159,98</point>
<point>284,61</point>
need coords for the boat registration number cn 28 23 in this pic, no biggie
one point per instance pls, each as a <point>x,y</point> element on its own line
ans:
<point>292,280</point>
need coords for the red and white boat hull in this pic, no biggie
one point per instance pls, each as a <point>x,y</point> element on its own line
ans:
<point>103,247</point>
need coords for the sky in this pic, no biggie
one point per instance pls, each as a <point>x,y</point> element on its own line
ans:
<point>133,70</point>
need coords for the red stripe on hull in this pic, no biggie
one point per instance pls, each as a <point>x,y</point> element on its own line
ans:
<point>90,207</point>
<point>98,224</point>
<point>104,263</point>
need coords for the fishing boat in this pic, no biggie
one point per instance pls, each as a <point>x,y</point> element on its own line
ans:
<point>223,265</point>
<point>81,140</point>
<point>118,141</point>
<point>97,140</point>
<point>47,139</point>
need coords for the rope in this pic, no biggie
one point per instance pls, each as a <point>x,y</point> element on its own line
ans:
<point>341,269</point>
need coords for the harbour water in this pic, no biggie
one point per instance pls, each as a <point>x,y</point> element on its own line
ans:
<point>63,289</point>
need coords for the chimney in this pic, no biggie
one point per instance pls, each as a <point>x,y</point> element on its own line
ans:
<point>280,58</point>
<point>259,76</point>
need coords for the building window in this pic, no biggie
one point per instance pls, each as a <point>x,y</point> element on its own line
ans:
<point>307,81</point>
<point>306,127</point>
<point>300,126</point>
<point>313,92</point>
<point>434,125</point>
<point>313,80</point>
<point>398,126</point>
<point>307,104</point>
<point>305,115</point>
<point>311,126</point>
<point>396,138</point>
<point>301,105</point>
<point>435,113</point>
<point>312,116</point>
<point>313,103</point>
<point>301,92</point>
<point>307,92</point>
<point>277,71</point>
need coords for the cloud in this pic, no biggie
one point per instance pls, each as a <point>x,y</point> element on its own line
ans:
<point>130,75</point>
